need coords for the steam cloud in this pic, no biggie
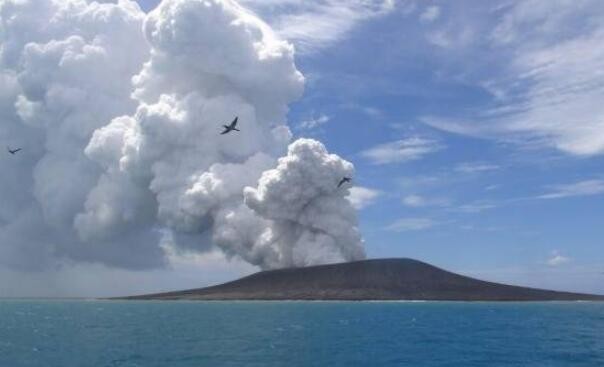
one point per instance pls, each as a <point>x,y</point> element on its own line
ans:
<point>119,115</point>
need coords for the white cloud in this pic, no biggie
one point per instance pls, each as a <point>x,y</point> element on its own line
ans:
<point>562,106</point>
<point>431,14</point>
<point>420,182</point>
<point>418,201</point>
<point>556,259</point>
<point>403,150</point>
<point>451,38</point>
<point>581,188</point>
<point>475,167</point>
<point>362,197</point>
<point>312,25</point>
<point>474,207</point>
<point>460,126</point>
<point>411,224</point>
<point>314,122</point>
<point>414,201</point>
<point>370,111</point>
<point>440,39</point>
<point>548,93</point>
<point>472,227</point>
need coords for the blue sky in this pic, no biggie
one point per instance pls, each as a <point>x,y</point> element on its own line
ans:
<point>476,128</point>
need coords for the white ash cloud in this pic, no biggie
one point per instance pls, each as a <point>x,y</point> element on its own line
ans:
<point>119,115</point>
<point>66,67</point>
<point>310,218</point>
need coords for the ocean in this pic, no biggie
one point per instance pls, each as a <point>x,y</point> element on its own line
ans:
<point>63,333</point>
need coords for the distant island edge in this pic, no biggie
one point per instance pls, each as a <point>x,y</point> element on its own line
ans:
<point>393,279</point>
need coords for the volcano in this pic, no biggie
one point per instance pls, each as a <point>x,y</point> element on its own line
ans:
<point>376,279</point>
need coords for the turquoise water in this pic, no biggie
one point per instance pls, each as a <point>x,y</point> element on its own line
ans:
<point>107,333</point>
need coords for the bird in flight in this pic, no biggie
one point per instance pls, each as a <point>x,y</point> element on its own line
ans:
<point>343,181</point>
<point>13,151</point>
<point>232,126</point>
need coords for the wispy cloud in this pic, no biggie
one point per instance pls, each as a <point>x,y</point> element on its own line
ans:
<point>581,188</point>
<point>403,150</point>
<point>475,167</point>
<point>556,259</point>
<point>451,38</point>
<point>472,227</point>
<point>411,224</point>
<point>362,197</point>
<point>314,122</point>
<point>476,207</point>
<point>549,92</point>
<point>459,126</point>
<point>419,201</point>
<point>431,14</point>
<point>312,25</point>
<point>370,111</point>
<point>420,182</point>
<point>493,187</point>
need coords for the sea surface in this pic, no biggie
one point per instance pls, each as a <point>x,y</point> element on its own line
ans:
<point>120,333</point>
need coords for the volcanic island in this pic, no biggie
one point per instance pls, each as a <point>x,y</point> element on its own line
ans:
<point>366,280</point>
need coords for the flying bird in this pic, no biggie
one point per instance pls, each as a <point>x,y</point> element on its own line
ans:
<point>13,151</point>
<point>232,126</point>
<point>343,181</point>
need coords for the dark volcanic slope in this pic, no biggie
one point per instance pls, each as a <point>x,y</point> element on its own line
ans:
<point>381,279</point>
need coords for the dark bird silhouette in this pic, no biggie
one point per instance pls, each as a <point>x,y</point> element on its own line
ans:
<point>232,126</point>
<point>13,151</point>
<point>343,181</point>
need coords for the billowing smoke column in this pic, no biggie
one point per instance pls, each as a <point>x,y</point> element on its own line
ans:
<point>311,221</point>
<point>113,171</point>
<point>65,68</point>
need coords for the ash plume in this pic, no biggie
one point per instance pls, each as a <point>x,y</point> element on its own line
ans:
<point>120,113</point>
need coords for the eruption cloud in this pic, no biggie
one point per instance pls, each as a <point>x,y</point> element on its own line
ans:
<point>119,114</point>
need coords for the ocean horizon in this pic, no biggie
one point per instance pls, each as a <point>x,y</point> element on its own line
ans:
<point>70,332</point>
